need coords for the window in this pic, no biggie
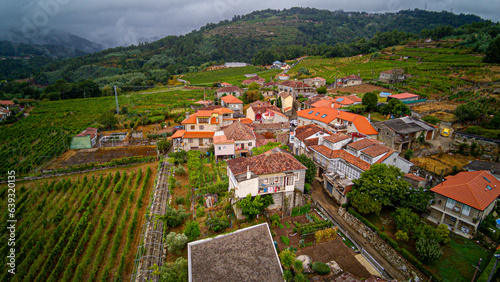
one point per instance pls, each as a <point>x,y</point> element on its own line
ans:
<point>465,210</point>
<point>219,148</point>
<point>276,179</point>
<point>289,180</point>
<point>296,176</point>
<point>249,144</point>
<point>202,127</point>
<point>200,141</point>
<point>190,141</point>
<point>265,181</point>
<point>192,127</point>
<point>310,112</point>
<point>450,203</point>
<point>317,114</point>
<point>224,147</point>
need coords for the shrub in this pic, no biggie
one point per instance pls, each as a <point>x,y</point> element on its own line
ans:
<point>429,250</point>
<point>192,230</point>
<point>200,211</point>
<point>176,242</point>
<point>320,268</point>
<point>217,224</point>
<point>287,224</point>
<point>180,200</point>
<point>285,240</point>
<point>280,225</point>
<point>275,220</point>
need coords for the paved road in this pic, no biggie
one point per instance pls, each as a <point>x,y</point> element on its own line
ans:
<point>319,195</point>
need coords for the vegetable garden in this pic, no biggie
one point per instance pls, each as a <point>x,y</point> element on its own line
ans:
<point>78,229</point>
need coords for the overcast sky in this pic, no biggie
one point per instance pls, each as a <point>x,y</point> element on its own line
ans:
<point>125,22</point>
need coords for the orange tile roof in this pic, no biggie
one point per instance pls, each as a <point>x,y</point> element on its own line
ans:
<point>199,134</point>
<point>328,115</point>
<point>222,139</point>
<point>331,154</point>
<point>228,89</point>
<point>223,111</point>
<point>202,113</point>
<point>362,144</point>
<point>284,95</point>
<point>205,113</point>
<point>414,177</point>
<point>230,99</point>
<point>179,134</point>
<point>273,161</point>
<point>337,137</point>
<point>302,132</point>
<point>403,96</point>
<point>287,109</point>
<point>470,188</point>
<point>376,150</point>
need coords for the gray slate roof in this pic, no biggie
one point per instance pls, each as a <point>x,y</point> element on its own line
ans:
<point>407,125</point>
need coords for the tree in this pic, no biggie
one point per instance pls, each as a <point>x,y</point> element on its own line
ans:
<point>321,90</point>
<point>370,100</point>
<point>396,108</point>
<point>303,70</point>
<point>192,230</point>
<point>253,86</point>
<point>251,207</point>
<point>107,120</point>
<point>287,257</point>
<point>252,96</point>
<point>417,199</point>
<point>402,236</point>
<point>431,119</point>
<point>493,51</point>
<point>467,112</point>
<point>381,185</point>
<point>442,234</point>
<point>173,271</point>
<point>173,217</point>
<point>405,219</point>
<point>298,266</point>
<point>409,154</point>
<point>163,145</point>
<point>176,242</point>
<point>428,250</point>
<point>311,167</point>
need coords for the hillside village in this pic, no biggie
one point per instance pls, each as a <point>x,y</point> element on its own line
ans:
<point>287,171</point>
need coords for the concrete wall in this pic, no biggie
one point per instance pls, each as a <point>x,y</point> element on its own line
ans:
<point>224,149</point>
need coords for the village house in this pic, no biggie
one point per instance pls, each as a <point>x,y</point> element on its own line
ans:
<point>268,93</point>
<point>275,172</point>
<point>246,254</point>
<point>337,121</point>
<point>203,103</point>
<point>491,167</point>
<point>307,104</point>
<point>276,65</point>
<point>229,90</point>
<point>403,133</point>
<point>232,103</point>
<point>315,81</point>
<point>337,102</point>
<point>200,128</point>
<point>85,139</point>
<point>285,66</point>
<point>392,76</point>
<point>295,88</point>
<point>462,201</point>
<point>306,136</point>
<point>254,112</point>
<point>257,79</point>
<point>283,76</point>
<point>225,84</point>
<point>341,158</point>
<point>237,138</point>
<point>277,128</point>
<point>286,101</point>
<point>235,65</point>
<point>4,113</point>
<point>350,80</point>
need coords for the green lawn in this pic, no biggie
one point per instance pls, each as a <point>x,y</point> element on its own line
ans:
<point>229,75</point>
<point>459,258</point>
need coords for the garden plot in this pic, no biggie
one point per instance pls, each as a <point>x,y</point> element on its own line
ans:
<point>334,248</point>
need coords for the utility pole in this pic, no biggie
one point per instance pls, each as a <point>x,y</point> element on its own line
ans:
<point>116,98</point>
<point>477,268</point>
<point>497,256</point>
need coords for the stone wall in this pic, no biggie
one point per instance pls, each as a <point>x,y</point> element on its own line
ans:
<point>489,147</point>
<point>383,248</point>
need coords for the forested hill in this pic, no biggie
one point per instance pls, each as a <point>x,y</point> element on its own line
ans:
<point>241,38</point>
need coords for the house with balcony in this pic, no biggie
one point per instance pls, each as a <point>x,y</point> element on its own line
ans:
<point>256,110</point>
<point>232,103</point>
<point>235,140</point>
<point>337,102</point>
<point>254,79</point>
<point>392,76</point>
<point>462,201</point>
<point>295,88</point>
<point>337,121</point>
<point>275,172</point>
<point>4,113</point>
<point>200,128</point>
<point>403,133</point>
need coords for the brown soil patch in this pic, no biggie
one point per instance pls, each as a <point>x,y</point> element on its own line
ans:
<point>435,107</point>
<point>363,88</point>
<point>100,155</point>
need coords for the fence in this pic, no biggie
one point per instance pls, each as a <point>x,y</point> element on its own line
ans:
<point>373,262</point>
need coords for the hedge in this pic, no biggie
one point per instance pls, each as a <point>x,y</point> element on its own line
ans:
<point>285,240</point>
<point>487,271</point>
<point>364,220</point>
<point>321,268</point>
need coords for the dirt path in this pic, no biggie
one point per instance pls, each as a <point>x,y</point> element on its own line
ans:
<point>319,195</point>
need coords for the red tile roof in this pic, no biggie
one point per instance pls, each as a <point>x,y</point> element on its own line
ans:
<point>273,161</point>
<point>376,150</point>
<point>362,144</point>
<point>206,113</point>
<point>230,99</point>
<point>291,83</point>
<point>403,96</point>
<point>337,137</point>
<point>222,139</point>
<point>199,134</point>
<point>89,131</point>
<point>263,109</point>
<point>179,134</point>
<point>6,103</point>
<point>331,154</point>
<point>259,103</point>
<point>287,109</point>
<point>203,102</point>
<point>352,77</point>
<point>239,131</point>
<point>302,132</point>
<point>470,188</point>
<point>229,89</point>
<point>328,115</point>
<point>414,177</point>
<point>284,95</point>
<point>253,79</point>
<point>225,84</point>
<point>398,71</point>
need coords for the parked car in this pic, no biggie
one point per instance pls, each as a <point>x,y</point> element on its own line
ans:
<point>445,132</point>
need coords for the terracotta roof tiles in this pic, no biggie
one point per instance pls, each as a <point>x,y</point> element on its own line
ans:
<point>267,163</point>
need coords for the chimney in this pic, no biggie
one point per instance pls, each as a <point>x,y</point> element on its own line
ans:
<point>320,139</point>
<point>248,172</point>
<point>187,115</point>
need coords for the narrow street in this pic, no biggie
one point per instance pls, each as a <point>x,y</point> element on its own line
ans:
<point>319,195</point>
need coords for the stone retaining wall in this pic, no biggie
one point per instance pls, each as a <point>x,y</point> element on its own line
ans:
<point>383,248</point>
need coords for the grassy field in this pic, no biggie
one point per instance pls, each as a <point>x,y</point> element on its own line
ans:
<point>229,75</point>
<point>435,71</point>
<point>79,228</point>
